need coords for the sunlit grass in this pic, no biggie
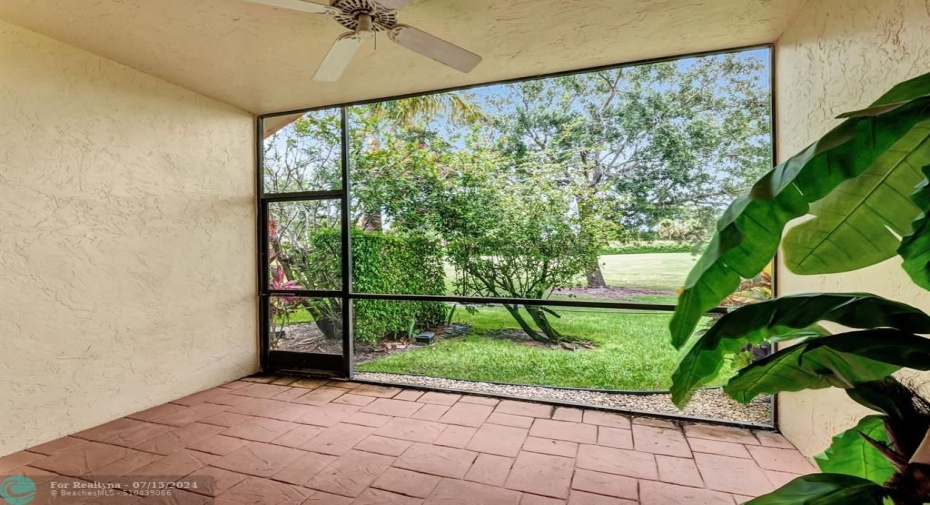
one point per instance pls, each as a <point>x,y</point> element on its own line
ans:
<point>657,271</point>
<point>632,349</point>
<point>660,271</point>
<point>632,352</point>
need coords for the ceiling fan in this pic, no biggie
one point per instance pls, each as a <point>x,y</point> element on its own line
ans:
<point>367,17</point>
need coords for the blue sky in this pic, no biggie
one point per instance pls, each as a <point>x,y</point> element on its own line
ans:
<point>761,54</point>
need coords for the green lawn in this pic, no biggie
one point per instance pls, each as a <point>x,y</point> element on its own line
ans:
<point>632,352</point>
<point>660,271</point>
<point>669,299</point>
<point>632,348</point>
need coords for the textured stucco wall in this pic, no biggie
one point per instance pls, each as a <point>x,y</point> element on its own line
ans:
<point>840,55</point>
<point>126,240</point>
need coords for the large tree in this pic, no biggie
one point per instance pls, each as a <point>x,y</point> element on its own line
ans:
<point>671,140</point>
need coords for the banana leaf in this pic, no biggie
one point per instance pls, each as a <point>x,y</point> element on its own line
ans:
<point>915,247</point>
<point>861,221</point>
<point>824,489</point>
<point>750,230</point>
<point>841,360</point>
<point>783,318</point>
<point>903,410</point>
<point>851,454</point>
<point>874,395</point>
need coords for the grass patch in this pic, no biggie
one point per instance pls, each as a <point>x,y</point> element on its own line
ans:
<point>660,271</point>
<point>633,352</point>
<point>298,316</point>
<point>669,299</point>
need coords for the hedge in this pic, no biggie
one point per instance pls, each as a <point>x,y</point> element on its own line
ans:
<point>395,264</point>
<point>386,263</point>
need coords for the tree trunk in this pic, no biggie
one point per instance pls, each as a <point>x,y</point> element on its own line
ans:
<point>918,472</point>
<point>922,454</point>
<point>542,321</point>
<point>911,485</point>
<point>594,275</point>
<point>549,334</point>
<point>529,330</point>
<point>372,221</point>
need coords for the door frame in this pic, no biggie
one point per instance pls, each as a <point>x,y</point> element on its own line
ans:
<point>334,365</point>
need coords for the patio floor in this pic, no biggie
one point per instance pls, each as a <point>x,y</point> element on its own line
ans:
<point>332,443</point>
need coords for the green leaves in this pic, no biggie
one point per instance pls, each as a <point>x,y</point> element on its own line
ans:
<point>871,211</point>
<point>881,396</point>
<point>851,454</point>
<point>786,317</point>
<point>915,248</point>
<point>858,177</point>
<point>824,489</point>
<point>842,360</point>
<point>518,237</point>
<point>458,108</point>
<point>387,263</point>
<point>749,232</point>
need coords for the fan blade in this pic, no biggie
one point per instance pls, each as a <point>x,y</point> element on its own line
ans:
<point>296,5</point>
<point>338,57</point>
<point>435,48</point>
<point>393,4</point>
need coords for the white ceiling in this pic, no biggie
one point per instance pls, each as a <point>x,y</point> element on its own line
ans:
<point>262,59</point>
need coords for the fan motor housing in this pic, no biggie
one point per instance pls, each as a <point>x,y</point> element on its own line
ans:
<point>349,11</point>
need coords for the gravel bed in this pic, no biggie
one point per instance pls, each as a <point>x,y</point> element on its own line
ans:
<point>706,403</point>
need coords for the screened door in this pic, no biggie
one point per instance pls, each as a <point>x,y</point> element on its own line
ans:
<point>304,242</point>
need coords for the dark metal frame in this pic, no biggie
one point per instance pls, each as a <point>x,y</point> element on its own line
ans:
<point>342,366</point>
<point>773,129</point>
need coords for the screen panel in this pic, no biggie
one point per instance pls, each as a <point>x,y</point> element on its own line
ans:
<point>305,245</point>
<point>302,152</point>
<point>306,325</point>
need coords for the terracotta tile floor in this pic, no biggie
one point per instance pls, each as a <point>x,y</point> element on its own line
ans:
<point>287,441</point>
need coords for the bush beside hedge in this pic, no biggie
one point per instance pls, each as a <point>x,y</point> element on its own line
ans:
<point>656,246</point>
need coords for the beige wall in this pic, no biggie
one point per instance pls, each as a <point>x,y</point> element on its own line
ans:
<point>127,240</point>
<point>840,55</point>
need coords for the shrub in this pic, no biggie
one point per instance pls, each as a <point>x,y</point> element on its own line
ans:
<point>395,263</point>
<point>517,234</point>
<point>382,263</point>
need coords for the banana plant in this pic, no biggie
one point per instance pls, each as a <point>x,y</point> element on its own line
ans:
<point>885,456</point>
<point>886,143</point>
<point>866,187</point>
